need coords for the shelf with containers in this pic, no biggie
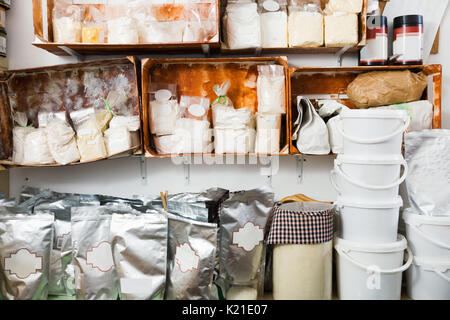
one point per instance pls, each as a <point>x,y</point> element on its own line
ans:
<point>46,104</point>
<point>319,83</point>
<point>198,77</point>
<point>310,42</point>
<point>156,28</point>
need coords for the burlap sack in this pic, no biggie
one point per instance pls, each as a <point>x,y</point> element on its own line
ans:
<point>380,88</point>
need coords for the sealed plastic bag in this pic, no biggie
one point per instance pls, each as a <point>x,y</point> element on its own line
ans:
<point>36,150</point>
<point>268,134</point>
<point>132,123</point>
<point>117,140</point>
<point>19,133</point>
<point>90,140</point>
<point>349,6</point>
<point>382,88</point>
<point>25,244</point>
<point>192,136</point>
<point>427,153</point>
<point>274,23</point>
<point>164,108</point>
<point>420,112</point>
<point>191,259</point>
<point>243,219</point>
<point>271,86</point>
<point>194,107</point>
<point>201,21</point>
<point>60,138</point>
<point>139,244</point>
<point>241,141</point>
<point>121,25</point>
<point>305,25</point>
<point>67,22</point>
<point>243,27</point>
<point>341,29</point>
<point>94,24</point>
<point>95,274</point>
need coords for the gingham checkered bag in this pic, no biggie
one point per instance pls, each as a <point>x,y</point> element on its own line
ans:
<point>301,223</point>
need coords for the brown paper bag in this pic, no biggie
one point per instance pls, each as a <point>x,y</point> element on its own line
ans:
<point>380,88</point>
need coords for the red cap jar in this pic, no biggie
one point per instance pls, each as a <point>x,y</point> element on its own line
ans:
<point>375,53</point>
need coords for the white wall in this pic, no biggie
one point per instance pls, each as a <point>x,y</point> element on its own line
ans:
<point>121,177</point>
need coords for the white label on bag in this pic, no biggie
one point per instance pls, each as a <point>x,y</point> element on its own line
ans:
<point>135,286</point>
<point>271,5</point>
<point>100,257</point>
<point>23,263</point>
<point>186,258</point>
<point>248,237</point>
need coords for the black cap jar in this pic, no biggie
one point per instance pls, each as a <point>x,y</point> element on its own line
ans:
<point>375,53</point>
<point>408,40</point>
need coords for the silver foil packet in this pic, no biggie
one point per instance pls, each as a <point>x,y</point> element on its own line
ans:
<point>95,274</point>
<point>243,218</point>
<point>139,244</point>
<point>25,244</point>
<point>191,259</point>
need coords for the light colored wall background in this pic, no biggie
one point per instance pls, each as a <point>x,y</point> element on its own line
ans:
<point>121,177</point>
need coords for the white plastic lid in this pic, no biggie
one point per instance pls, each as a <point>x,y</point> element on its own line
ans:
<point>163,95</point>
<point>396,203</point>
<point>396,246</point>
<point>411,217</point>
<point>196,110</point>
<point>361,159</point>
<point>271,5</point>
<point>374,113</point>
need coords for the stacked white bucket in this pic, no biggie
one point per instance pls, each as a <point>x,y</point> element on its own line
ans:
<point>370,252</point>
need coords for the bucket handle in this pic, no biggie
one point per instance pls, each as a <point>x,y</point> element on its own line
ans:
<point>339,171</point>
<point>389,271</point>
<point>372,141</point>
<point>427,237</point>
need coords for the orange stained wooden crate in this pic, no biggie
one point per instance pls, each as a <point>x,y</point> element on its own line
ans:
<point>196,76</point>
<point>331,83</point>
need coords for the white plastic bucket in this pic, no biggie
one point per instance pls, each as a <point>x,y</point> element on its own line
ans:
<point>428,279</point>
<point>368,180</point>
<point>429,236</point>
<point>370,271</point>
<point>373,132</point>
<point>369,222</point>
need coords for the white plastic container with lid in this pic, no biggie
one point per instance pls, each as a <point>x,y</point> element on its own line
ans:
<point>302,239</point>
<point>429,236</point>
<point>164,109</point>
<point>373,132</point>
<point>428,279</point>
<point>369,222</point>
<point>370,271</point>
<point>368,179</point>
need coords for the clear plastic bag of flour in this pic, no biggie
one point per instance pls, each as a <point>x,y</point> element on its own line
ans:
<point>194,107</point>
<point>60,137</point>
<point>67,22</point>
<point>90,142</point>
<point>271,87</point>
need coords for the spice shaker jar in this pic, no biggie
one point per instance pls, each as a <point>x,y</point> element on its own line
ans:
<point>375,53</point>
<point>408,40</point>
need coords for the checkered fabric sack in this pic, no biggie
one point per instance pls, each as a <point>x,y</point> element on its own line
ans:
<point>302,223</point>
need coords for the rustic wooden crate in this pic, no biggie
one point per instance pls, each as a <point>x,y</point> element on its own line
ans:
<point>331,83</point>
<point>32,83</point>
<point>42,18</point>
<point>184,71</point>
